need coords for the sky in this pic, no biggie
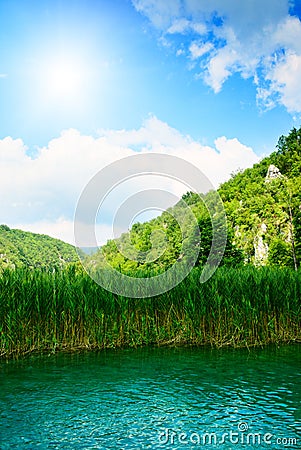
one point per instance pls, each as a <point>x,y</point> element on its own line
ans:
<point>85,83</point>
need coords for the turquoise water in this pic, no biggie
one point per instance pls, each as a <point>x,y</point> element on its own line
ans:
<point>153,398</point>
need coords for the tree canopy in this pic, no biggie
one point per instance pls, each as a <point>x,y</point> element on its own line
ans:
<point>263,215</point>
<point>24,249</point>
<point>263,225</point>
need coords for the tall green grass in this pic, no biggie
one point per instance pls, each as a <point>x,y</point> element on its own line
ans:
<point>42,311</point>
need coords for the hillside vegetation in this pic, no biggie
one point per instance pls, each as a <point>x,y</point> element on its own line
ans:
<point>240,305</point>
<point>263,226</point>
<point>23,249</point>
<point>263,214</point>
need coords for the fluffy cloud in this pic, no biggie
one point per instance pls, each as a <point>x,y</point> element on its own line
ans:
<point>197,50</point>
<point>284,82</point>
<point>220,68</point>
<point>259,39</point>
<point>63,229</point>
<point>41,192</point>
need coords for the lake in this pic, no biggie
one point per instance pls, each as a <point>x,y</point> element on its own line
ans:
<point>153,398</point>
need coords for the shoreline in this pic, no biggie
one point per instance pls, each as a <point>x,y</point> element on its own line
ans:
<point>59,350</point>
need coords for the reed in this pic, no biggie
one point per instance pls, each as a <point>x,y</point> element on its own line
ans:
<point>43,311</point>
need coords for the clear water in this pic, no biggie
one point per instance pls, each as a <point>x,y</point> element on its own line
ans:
<point>153,398</point>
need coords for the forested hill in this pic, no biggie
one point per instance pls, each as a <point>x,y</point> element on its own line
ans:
<point>24,249</point>
<point>263,207</point>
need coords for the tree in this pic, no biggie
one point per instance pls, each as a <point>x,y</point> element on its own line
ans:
<point>280,254</point>
<point>232,255</point>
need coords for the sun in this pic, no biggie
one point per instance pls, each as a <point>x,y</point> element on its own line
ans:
<point>63,79</point>
<point>65,82</point>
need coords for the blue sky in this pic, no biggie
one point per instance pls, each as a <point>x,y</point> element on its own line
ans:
<point>84,82</point>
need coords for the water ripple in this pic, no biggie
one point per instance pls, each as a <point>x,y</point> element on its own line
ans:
<point>125,399</point>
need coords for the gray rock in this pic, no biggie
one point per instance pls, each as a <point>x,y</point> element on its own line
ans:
<point>272,173</point>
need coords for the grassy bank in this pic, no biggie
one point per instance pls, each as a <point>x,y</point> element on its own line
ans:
<point>42,311</point>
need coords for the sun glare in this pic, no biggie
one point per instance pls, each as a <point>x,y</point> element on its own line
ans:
<point>63,79</point>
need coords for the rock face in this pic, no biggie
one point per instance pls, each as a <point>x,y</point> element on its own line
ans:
<point>261,248</point>
<point>272,173</point>
<point>261,251</point>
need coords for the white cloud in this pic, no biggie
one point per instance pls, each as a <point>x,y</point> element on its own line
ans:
<point>199,28</point>
<point>231,153</point>
<point>180,52</point>
<point>288,34</point>
<point>264,99</point>
<point>185,25</point>
<point>197,50</point>
<point>237,37</point>
<point>284,80</point>
<point>161,13</point>
<point>41,194</point>
<point>179,26</point>
<point>220,67</point>
<point>63,229</point>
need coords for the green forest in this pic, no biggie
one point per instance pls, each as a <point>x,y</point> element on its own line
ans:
<point>49,303</point>
<point>263,213</point>
<point>263,225</point>
<point>24,249</point>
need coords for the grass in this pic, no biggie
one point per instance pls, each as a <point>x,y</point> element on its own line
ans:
<point>42,311</point>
